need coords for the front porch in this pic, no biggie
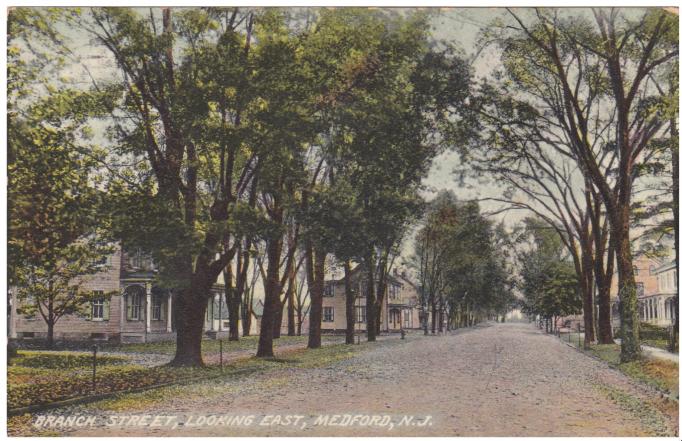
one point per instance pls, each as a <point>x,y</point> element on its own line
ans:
<point>149,313</point>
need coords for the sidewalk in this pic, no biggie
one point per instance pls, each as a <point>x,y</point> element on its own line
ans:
<point>648,351</point>
<point>661,354</point>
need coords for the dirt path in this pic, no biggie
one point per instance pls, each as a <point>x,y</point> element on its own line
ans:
<point>497,380</point>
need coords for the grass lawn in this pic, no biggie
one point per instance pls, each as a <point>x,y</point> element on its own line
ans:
<point>35,377</point>
<point>656,343</point>
<point>661,374</point>
<point>213,346</point>
<point>36,385</point>
<point>39,377</point>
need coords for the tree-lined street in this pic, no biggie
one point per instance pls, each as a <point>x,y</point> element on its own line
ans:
<point>195,183</point>
<point>503,379</point>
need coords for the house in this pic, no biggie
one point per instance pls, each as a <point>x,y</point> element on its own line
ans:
<point>139,310</point>
<point>400,308</point>
<point>656,289</point>
<point>660,309</point>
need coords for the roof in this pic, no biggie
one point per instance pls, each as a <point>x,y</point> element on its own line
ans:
<point>667,266</point>
<point>395,278</point>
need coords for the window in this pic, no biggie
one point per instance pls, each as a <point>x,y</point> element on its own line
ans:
<point>363,289</point>
<point>406,317</point>
<point>360,314</point>
<point>97,311</point>
<point>329,290</point>
<point>140,260</point>
<point>157,302</point>
<point>393,291</point>
<point>135,304</point>
<point>328,314</point>
<point>635,270</point>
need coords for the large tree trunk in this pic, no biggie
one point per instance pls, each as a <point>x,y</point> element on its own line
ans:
<point>627,289</point>
<point>440,320</point>
<point>350,304</point>
<point>603,276</point>
<point>291,307</point>
<point>381,291</point>
<point>247,310</point>
<point>586,287</point>
<point>233,299</point>
<point>233,304</point>
<point>315,268</point>
<point>279,316</point>
<point>433,315</point>
<point>191,312</point>
<point>272,292</point>
<point>370,301</point>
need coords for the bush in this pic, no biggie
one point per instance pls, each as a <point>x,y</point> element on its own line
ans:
<point>647,331</point>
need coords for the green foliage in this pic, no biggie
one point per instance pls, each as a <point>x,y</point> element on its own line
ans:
<point>460,258</point>
<point>549,283</point>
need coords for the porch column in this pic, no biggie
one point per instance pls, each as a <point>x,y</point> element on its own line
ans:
<point>148,308</point>
<point>123,312</point>
<point>169,313</point>
<point>209,314</point>
<point>220,312</point>
<point>13,315</point>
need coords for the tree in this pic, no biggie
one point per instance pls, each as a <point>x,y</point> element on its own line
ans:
<point>460,264</point>
<point>55,238</point>
<point>518,149</point>
<point>575,69</point>
<point>184,95</point>
<point>548,281</point>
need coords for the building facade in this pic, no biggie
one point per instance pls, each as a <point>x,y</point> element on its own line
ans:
<point>400,308</point>
<point>131,307</point>
<point>656,290</point>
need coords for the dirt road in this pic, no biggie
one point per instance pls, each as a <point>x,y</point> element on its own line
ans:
<point>495,380</point>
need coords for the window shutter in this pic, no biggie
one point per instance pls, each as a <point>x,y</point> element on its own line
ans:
<point>129,307</point>
<point>105,313</point>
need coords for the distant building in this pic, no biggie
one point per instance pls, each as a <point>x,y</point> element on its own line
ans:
<point>400,308</point>
<point>656,289</point>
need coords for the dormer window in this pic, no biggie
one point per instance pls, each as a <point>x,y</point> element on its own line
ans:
<point>139,260</point>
